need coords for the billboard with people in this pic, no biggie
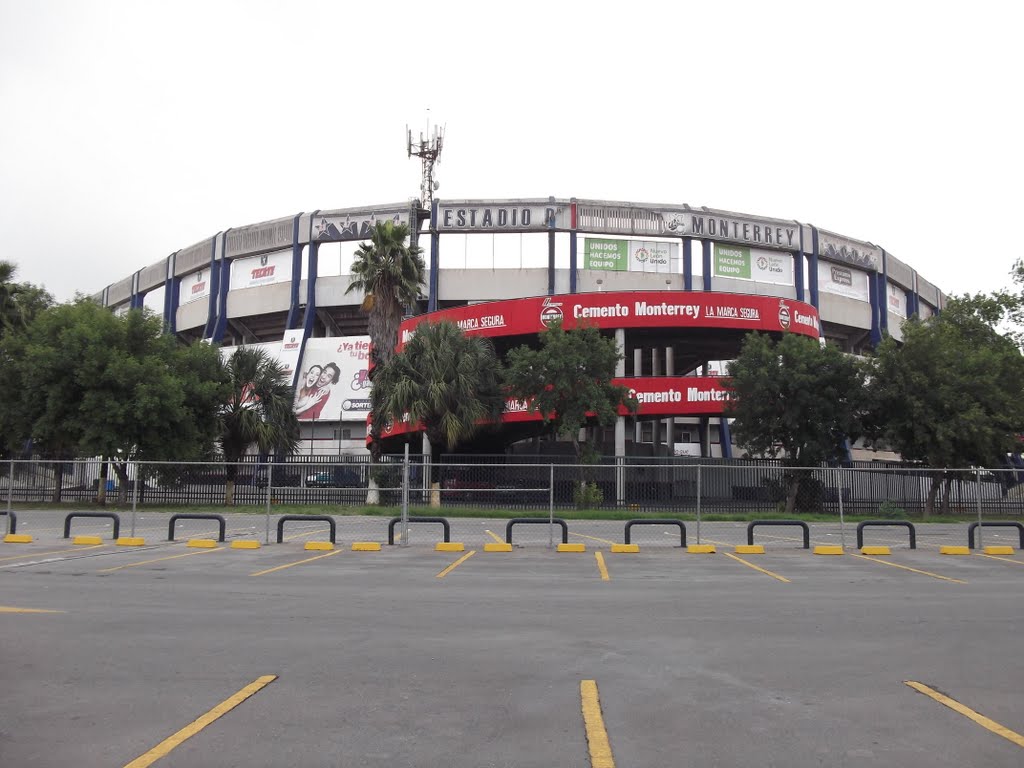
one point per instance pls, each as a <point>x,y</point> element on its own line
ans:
<point>334,384</point>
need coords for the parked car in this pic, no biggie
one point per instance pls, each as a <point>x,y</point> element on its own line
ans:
<point>335,477</point>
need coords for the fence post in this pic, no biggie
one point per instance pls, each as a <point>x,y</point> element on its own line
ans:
<point>551,508</point>
<point>135,493</point>
<point>405,497</point>
<point>977,496</point>
<point>10,495</point>
<point>270,493</point>
<point>698,503</point>
<point>842,521</point>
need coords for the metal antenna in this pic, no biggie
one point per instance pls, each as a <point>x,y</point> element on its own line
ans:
<point>429,152</point>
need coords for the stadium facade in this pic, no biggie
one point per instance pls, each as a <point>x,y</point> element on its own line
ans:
<point>678,286</point>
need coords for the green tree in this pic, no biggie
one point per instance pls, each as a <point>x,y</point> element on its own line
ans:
<point>19,302</point>
<point>257,412</point>
<point>951,394</point>
<point>389,273</point>
<point>444,379</point>
<point>796,398</point>
<point>568,380</point>
<point>82,381</point>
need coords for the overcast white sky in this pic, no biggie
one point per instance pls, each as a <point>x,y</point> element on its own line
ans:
<point>129,130</point>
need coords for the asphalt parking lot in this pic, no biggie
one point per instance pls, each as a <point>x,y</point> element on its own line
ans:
<point>411,657</point>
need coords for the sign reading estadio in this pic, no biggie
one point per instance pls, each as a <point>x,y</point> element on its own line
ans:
<point>626,309</point>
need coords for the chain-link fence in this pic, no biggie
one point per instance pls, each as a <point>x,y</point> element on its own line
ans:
<point>713,501</point>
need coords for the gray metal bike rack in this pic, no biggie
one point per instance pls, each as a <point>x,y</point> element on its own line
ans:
<point>536,521</point>
<point>196,516</point>
<point>305,518</point>
<point>761,523</point>
<point>890,523</point>
<point>419,519</point>
<point>998,524</point>
<point>656,521</point>
<point>107,515</point>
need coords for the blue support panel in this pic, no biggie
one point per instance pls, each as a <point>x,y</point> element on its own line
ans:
<point>812,269</point>
<point>572,262</point>
<point>687,263</point>
<point>706,252</point>
<point>172,296</point>
<point>798,267</point>
<point>725,438</point>
<point>293,304</point>
<point>876,327</point>
<point>551,263</point>
<point>435,257</point>
<point>883,294</point>
<point>222,295</point>
<point>211,313</point>
<point>314,253</point>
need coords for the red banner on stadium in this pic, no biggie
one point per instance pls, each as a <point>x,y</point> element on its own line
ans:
<point>658,396</point>
<point>627,309</point>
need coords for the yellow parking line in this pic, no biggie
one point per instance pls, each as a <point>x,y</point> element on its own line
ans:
<point>297,562</point>
<point>190,730</point>
<point>602,567</point>
<point>597,737</point>
<point>757,568</point>
<point>24,555</point>
<point>158,560</point>
<point>12,609</point>
<point>495,536</point>
<point>907,568</point>
<point>997,557</point>
<point>456,564</point>
<point>592,538</point>
<point>967,712</point>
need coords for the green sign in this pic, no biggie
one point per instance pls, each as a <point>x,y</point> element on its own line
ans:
<point>732,261</point>
<point>606,254</point>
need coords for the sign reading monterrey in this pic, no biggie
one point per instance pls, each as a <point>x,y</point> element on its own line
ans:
<point>600,217</point>
<point>626,309</point>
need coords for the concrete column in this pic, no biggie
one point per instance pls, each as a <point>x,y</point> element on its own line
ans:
<point>670,423</point>
<point>620,424</point>
<point>705,437</point>
<point>655,426</point>
<point>638,367</point>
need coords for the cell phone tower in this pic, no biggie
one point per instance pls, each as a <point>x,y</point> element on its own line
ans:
<point>428,150</point>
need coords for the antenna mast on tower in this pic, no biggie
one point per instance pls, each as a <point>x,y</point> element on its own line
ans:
<point>429,152</point>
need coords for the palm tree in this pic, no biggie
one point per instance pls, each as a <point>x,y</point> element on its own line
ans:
<point>390,274</point>
<point>258,411</point>
<point>449,382</point>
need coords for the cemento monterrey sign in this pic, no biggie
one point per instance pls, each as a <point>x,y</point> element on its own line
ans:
<point>626,309</point>
<point>657,395</point>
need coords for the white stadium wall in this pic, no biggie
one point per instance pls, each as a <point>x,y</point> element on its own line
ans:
<point>260,282</point>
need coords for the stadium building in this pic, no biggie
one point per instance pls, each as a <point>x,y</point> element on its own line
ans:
<point>678,286</point>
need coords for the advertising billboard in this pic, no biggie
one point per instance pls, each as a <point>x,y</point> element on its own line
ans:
<point>629,255</point>
<point>626,309</point>
<point>742,263</point>
<point>897,300</point>
<point>843,281</point>
<point>333,381</point>
<point>194,286</point>
<point>267,269</point>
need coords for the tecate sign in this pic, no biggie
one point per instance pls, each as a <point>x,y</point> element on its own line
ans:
<point>627,309</point>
